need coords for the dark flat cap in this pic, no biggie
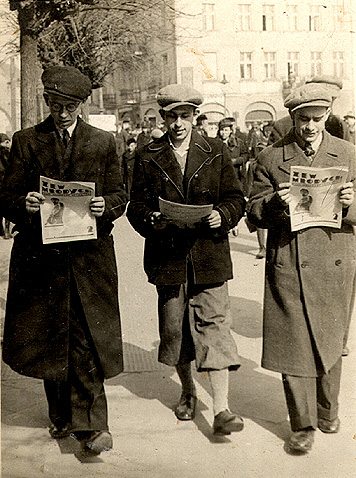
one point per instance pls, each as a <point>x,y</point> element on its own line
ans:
<point>224,123</point>
<point>310,94</point>
<point>66,81</point>
<point>175,95</point>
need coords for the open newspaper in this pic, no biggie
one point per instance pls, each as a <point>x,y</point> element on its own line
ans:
<point>315,196</point>
<point>65,213</point>
<point>184,214</point>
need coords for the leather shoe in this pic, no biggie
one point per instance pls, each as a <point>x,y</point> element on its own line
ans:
<point>226,422</point>
<point>185,410</point>
<point>345,351</point>
<point>329,426</point>
<point>97,442</point>
<point>57,431</point>
<point>301,440</point>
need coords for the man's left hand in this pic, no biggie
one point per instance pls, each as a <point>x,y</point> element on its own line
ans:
<point>97,206</point>
<point>213,220</point>
<point>347,194</point>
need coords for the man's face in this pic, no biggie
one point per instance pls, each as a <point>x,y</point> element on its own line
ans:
<point>132,147</point>
<point>350,121</point>
<point>309,122</point>
<point>64,111</point>
<point>224,133</point>
<point>179,122</point>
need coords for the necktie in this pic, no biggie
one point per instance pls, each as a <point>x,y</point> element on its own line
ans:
<point>308,149</point>
<point>65,137</point>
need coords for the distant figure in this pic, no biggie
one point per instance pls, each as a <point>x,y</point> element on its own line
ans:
<point>144,137</point>
<point>5,144</point>
<point>202,125</point>
<point>350,121</point>
<point>127,164</point>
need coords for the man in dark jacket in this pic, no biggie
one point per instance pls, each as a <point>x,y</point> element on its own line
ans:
<point>306,312</point>
<point>62,320</point>
<point>5,144</point>
<point>190,264</point>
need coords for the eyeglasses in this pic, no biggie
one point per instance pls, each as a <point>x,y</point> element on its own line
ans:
<point>70,107</point>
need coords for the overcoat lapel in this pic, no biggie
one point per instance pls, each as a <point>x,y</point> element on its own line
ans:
<point>82,156</point>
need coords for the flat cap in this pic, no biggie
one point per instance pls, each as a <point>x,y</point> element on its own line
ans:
<point>66,81</point>
<point>175,95</point>
<point>310,94</point>
<point>224,123</point>
<point>349,114</point>
<point>327,80</point>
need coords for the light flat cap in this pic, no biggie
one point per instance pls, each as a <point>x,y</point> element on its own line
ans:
<point>327,80</point>
<point>349,114</point>
<point>310,94</point>
<point>66,81</point>
<point>175,95</point>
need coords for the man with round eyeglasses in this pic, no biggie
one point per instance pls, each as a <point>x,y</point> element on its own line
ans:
<point>62,320</point>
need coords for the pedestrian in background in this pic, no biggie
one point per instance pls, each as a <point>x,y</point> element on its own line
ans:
<point>62,320</point>
<point>144,137</point>
<point>349,118</point>
<point>190,266</point>
<point>202,125</point>
<point>305,309</point>
<point>5,144</point>
<point>127,164</point>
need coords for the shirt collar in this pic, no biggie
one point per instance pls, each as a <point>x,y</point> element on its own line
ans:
<point>183,148</point>
<point>70,129</point>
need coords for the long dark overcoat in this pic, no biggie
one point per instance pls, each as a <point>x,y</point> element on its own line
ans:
<point>209,179</point>
<point>36,331</point>
<point>309,273</point>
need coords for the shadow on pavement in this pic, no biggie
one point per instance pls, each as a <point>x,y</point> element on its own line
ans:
<point>246,317</point>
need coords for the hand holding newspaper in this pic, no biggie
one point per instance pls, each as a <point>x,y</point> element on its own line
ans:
<point>65,213</point>
<point>315,196</point>
<point>184,214</point>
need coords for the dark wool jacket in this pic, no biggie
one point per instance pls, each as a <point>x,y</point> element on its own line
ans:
<point>209,179</point>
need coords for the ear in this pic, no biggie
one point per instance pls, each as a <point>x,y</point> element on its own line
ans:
<point>327,114</point>
<point>291,114</point>
<point>162,113</point>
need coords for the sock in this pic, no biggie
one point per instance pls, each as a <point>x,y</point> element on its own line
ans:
<point>185,375</point>
<point>219,380</point>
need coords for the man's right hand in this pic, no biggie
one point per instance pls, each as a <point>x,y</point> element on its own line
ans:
<point>158,221</point>
<point>34,201</point>
<point>283,192</point>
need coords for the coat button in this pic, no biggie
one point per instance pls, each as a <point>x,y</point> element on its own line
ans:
<point>196,175</point>
<point>304,264</point>
<point>338,262</point>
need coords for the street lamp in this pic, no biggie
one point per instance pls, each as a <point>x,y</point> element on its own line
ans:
<point>224,82</point>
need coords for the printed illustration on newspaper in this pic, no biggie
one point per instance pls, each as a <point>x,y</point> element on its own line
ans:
<point>184,214</point>
<point>65,213</point>
<point>315,193</point>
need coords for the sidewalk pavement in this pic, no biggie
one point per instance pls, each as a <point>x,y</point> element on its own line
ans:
<point>148,440</point>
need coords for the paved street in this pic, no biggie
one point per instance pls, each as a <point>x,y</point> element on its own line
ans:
<point>148,441</point>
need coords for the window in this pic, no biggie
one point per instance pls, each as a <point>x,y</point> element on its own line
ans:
<point>292,18</point>
<point>338,18</point>
<point>293,62</point>
<point>316,69</point>
<point>314,18</point>
<point>338,59</point>
<point>243,23</point>
<point>208,17</point>
<point>210,66</point>
<point>245,65</point>
<point>270,65</point>
<point>268,18</point>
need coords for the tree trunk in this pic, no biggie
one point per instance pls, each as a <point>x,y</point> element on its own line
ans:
<point>29,72</point>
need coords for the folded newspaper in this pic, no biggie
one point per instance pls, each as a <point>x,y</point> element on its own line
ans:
<point>315,196</point>
<point>187,214</point>
<point>65,213</point>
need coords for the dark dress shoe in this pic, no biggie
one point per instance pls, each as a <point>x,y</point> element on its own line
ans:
<point>97,442</point>
<point>329,426</point>
<point>57,431</point>
<point>345,351</point>
<point>185,410</point>
<point>226,422</point>
<point>301,440</point>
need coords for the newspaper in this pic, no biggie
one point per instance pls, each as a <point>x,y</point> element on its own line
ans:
<point>187,214</point>
<point>65,214</point>
<point>315,194</point>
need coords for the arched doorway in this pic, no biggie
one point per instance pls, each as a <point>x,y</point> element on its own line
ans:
<point>215,112</point>
<point>259,112</point>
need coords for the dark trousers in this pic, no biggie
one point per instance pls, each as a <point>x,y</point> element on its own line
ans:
<point>79,401</point>
<point>310,398</point>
